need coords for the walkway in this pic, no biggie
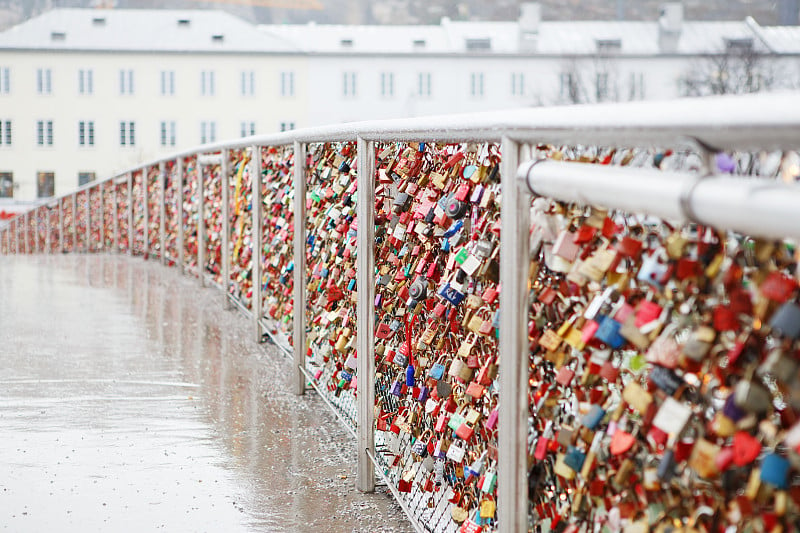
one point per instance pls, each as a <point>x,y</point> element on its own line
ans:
<point>130,401</point>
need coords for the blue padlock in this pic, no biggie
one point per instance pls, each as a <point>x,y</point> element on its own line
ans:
<point>574,458</point>
<point>608,333</point>
<point>410,376</point>
<point>775,471</point>
<point>436,371</point>
<point>593,417</point>
<point>450,294</point>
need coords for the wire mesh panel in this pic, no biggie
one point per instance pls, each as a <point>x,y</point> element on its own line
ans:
<point>277,232</point>
<point>191,210</point>
<point>108,194</point>
<point>171,226</point>
<point>212,213</point>
<point>153,193</point>
<point>53,230</point>
<point>331,254</point>
<point>80,221</point>
<point>138,202</point>
<point>96,218</point>
<point>437,246</point>
<point>68,216</point>
<point>241,252</point>
<point>659,384</point>
<point>39,233</point>
<point>123,201</point>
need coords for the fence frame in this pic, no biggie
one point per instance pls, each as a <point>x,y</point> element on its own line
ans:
<point>752,122</point>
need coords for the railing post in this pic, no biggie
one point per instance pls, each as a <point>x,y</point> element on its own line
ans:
<point>74,201</point>
<point>365,314</point>
<point>146,210</point>
<point>201,222</point>
<point>131,230</point>
<point>255,237</point>
<point>226,227</point>
<point>88,220</point>
<point>61,225</point>
<point>16,235</point>
<point>115,236</point>
<point>299,274</point>
<point>512,467</point>
<point>179,211</point>
<point>162,211</point>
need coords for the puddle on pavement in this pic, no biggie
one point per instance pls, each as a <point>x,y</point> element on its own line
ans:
<point>130,401</point>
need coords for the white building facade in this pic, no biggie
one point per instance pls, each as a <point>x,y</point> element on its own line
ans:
<point>84,93</point>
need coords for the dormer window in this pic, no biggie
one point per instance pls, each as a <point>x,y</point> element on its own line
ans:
<point>346,43</point>
<point>608,46</point>
<point>419,43</point>
<point>183,22</point>
<point>217,38</point>
<point>58,36</point>
<point>99,21</point>
<point>742,44</point>
<point>482,45</point>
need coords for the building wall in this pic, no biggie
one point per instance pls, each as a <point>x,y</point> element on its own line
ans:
<point>146,107</point>
<point>318,98</point>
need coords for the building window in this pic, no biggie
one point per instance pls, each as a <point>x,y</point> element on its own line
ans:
<point>127,133</point>
<point>44,132</point>
<point>208,132</point>
<point>207,83</point>
<point>636,86</point>
<point>5,80</point>
<point>167,133</point>
<point>167,82</point>
<point>44,81</point>
<point>45,184</point>
<point>476,84</point>
<point>6,185</point>
<point>286,126</point>
<point>5,133</point>
<point>287,83</point>
<point>601,86</point>
<point>517,84</point>
<point>86,133</point>
<point>248,83</point>
<point>248,128</point>
<point>85,177</point>
<point>349,84</point>
<point>424,84</point>
<point>125,82</point>
<point>85,81</point>
<point>387,84</point>
<point>570,88</point>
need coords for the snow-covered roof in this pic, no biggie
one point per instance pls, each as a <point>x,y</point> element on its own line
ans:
<point>782,39</point>
<point>553,38</point>
<point>140,30</point>
<point>216,31</point>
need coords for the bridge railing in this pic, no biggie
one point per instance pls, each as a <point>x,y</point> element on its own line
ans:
<point>489,320</point>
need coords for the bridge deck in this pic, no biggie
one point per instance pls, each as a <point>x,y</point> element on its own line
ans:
<point>130,401</point>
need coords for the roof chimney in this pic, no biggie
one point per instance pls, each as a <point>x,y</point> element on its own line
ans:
<point>529,19</point>
<point>670,26</point>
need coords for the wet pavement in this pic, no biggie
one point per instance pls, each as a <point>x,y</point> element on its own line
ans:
<point>131,401</point>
